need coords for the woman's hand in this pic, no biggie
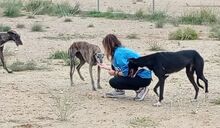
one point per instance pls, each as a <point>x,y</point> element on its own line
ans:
<point>111,72</point>
<point>104,66</point>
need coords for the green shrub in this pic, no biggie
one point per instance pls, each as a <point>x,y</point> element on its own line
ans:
<point>12,8</point>
<point>184,34</point>
<point>63,56</point>
<point>42,7</point>
<point>59,55</point>
<point>174,21</point>
<point>20,26</point>
<point>31,17</point>
<point>37,28</point>
<point>215,32</point>
<point>159,23</point>
<point>109,15</point>
<point>155,46</point>
<point>198,17</point>
<point>4,28</point>
<point>156,16</point>
<point>39,7</point>
<point>139,14</point>
<point>67,20</point>
<point>23,66</point>
<point>65,9</point>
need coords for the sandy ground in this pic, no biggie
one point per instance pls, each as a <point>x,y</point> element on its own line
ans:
<point>31,98</point>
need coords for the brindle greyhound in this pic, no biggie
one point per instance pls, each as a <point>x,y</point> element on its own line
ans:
<point>5,37</point>
<point>165,63</point>
<point>85,52</point>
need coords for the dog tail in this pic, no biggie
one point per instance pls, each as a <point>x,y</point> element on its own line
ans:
<point>199,83</point>
<point>199,66</point>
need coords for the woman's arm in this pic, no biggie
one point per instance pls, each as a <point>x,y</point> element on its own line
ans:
<point>111,71</point>
<point>104,66</point>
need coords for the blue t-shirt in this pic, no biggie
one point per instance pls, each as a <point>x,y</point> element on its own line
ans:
<point>120,62</point>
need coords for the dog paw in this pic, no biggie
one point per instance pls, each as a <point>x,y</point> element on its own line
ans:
<point>158,104</point>
<point>93,89</point>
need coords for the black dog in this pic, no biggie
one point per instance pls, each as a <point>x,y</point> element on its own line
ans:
<point>5,37</point>
<point>164,63</point>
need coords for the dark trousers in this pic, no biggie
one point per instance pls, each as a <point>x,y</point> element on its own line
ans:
<point>128,83</point>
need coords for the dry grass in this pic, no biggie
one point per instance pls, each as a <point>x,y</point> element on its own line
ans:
<point>142,122</point>
<point>24,66</point>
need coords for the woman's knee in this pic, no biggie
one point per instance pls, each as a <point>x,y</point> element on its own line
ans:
<point>113,82</point>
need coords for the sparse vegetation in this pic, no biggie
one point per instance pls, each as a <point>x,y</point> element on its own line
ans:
<point>132,36</point>
<point>66,37</point>
<point>42,7</point>
<point>4,28</point>
<point>63,56</point>
<point>142,122</point>
<point>67,20</point>
<point>23,66</point>
<point>38,7</point>
<point>63,104</point>
<point>59,55</point>
<point>90,26</point>
<point>12,8</point>
<point>184,34</point>
<point>37,28</point>
<point>108,15</point>
<point>156,16</point>
<point>202,16</point>
<point>216,101</point>
<point>31,17</point>
<point>174,21</point>
<point>20,26</point>
<point>159,23</point>
<point>155,46</point>
<point>215,32</point>
<point>140,14</point>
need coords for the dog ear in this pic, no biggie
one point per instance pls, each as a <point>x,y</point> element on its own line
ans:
<point>12,33</point>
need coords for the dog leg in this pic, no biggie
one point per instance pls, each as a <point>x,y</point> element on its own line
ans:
<point>2,60</point>
<point>161,84</point>
<point>72,69</point>
<point>155,89</point>
<point>98,77</point>
<point>82,62</point>
<point>204,80</point>
<point>191,79</point>
<point>91,76</point>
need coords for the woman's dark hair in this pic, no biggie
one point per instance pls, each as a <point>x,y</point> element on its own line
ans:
<point>110,42</point>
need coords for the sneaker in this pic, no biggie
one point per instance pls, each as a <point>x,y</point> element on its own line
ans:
<point>141,93</point>
<point>115,93</point>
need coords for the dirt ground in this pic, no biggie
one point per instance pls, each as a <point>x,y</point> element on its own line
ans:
<point>34,99</point>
